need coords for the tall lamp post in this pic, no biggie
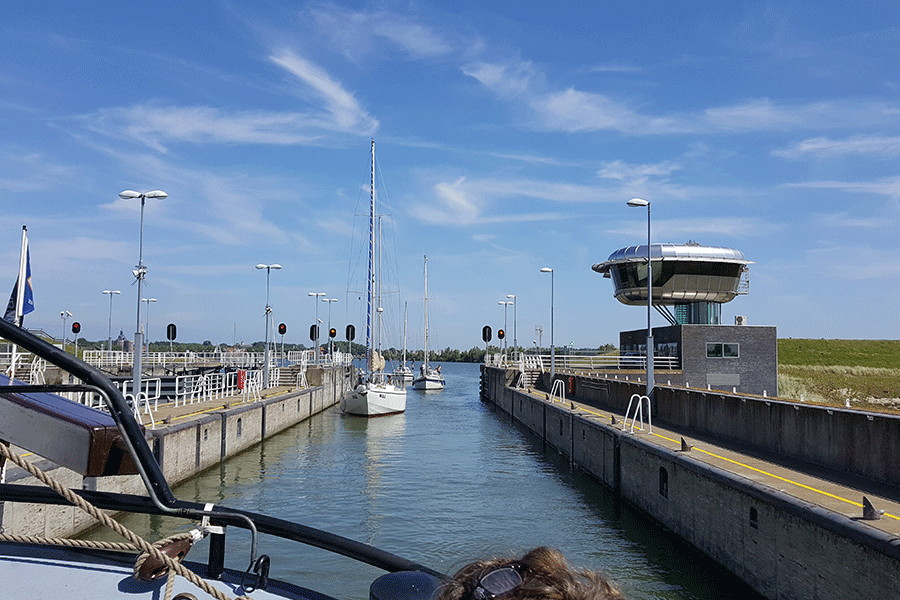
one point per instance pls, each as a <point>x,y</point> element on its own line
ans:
<point>139,274</point>
<point>111,293</point>
<point>330,301</point>
<point>65,315</point>
<point>515,336</point>
<point>147,301</point>
<point>552,345</point>
<point>504,305</point>
<point>268,269</point>
<point>316,296</point>
<point>638,202</point>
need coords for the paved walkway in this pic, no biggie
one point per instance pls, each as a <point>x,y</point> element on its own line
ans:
<point>839,493</point>
<point>168,413</point>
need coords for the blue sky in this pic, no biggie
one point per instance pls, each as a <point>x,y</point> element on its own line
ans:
<point>509,137</point>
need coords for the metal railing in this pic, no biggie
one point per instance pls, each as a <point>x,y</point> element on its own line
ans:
<point>581,361</point>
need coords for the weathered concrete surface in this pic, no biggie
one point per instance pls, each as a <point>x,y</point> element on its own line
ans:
<point>786,532</point>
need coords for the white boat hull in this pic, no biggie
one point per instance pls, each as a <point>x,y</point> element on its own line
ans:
<point>374,399</point>
<point>429,382</point>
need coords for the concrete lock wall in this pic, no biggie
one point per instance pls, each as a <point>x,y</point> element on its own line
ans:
<point>849,441</point>
<point>182,450</point>
<point>780,545</point>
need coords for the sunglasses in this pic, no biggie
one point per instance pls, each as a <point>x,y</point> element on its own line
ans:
<point>497,584</point>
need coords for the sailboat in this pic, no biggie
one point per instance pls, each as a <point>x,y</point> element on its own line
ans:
<point>374,392</point>
<point>403,371</point>
<point>429,378</point>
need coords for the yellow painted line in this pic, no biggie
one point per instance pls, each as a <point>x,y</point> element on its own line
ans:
<point>760,471</point>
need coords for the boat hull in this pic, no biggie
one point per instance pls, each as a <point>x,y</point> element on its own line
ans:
<point>374,400</point>
<point>428,382</point>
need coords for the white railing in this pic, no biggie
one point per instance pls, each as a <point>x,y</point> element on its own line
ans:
<point>583,361</point>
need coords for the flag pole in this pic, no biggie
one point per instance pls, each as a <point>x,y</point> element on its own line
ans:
<point>20,296</point>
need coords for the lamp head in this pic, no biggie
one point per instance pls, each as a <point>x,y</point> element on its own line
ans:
<point>275,266</point>
<point>129,194</point>
<point>546,270</point>
<point>261,266</point>
<point>638,202</point>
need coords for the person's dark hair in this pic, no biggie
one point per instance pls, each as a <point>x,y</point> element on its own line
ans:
<point>545,573</point>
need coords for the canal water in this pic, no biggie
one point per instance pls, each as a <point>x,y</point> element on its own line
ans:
<point>449,481</point>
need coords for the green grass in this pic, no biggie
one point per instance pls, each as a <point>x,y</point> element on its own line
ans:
<point>882,354</point>
<point>865,372</point>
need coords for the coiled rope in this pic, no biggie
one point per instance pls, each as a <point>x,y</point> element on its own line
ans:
<point>137,543</point>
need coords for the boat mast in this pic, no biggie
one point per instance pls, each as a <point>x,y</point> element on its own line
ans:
<point>426,314</point>
<point>371,281</point>
<point>405,309</point>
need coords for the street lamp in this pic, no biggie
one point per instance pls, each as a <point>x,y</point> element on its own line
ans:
<point>552,346</point>
<point>315,296</point>
<point>268,269</point>
<point>331,340</point>
<point>638,202</point>
<point>504,305</point>
<point>147,321</point>
<point>111,293</point>
<point>515,336</point>
<point>65,315</point>
<point>139,274</point>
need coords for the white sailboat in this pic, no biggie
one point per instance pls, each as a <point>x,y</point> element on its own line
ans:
<point>428,378</point>
<point>374,392</point>
<point>403,371</point>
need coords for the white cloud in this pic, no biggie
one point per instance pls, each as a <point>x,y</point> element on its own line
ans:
<point>889,187</point>
<point>358,34</point>
<point>346,112</point>
<point>623,171</point>
<point>822,147</point>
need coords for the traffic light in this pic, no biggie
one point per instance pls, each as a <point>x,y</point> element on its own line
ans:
<point>313,332</point>
<point>332,332</point>
<point>76,327</point>
<point>170,331</point>
<point>282,328</point>
<point>351,333</point>
<point>501,334</point>
<point>486,333</point>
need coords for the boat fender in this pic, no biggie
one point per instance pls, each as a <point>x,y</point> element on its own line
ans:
<point>571,386</point>
<point>404,585</point>
<point>148,567</point>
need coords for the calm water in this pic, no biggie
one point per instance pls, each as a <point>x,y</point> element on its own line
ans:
<point>446,482</point>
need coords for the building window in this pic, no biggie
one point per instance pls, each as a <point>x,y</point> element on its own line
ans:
<point>663,482</point>
<point>239,428</point>
<point>722,350</point>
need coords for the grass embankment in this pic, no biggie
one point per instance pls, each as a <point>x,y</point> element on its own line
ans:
<point>865,372</point>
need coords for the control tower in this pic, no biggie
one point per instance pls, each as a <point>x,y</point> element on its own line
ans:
<point>690,281</point>
<point>690,284</point>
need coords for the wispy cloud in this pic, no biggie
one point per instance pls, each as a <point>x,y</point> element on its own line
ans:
<point>335,110</point>
<point>358,34</point>
<point>822,147</point>
<point>889,187</point>
<point>346,113</point>
<point>574,111</point>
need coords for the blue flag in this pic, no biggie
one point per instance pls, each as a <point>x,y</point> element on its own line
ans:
<point>28,297</point>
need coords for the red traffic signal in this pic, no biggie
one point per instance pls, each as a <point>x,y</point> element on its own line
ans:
<point>501,334</point>
<point>332,332</point>
<point>282,328</point>
<point>76,327</point>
